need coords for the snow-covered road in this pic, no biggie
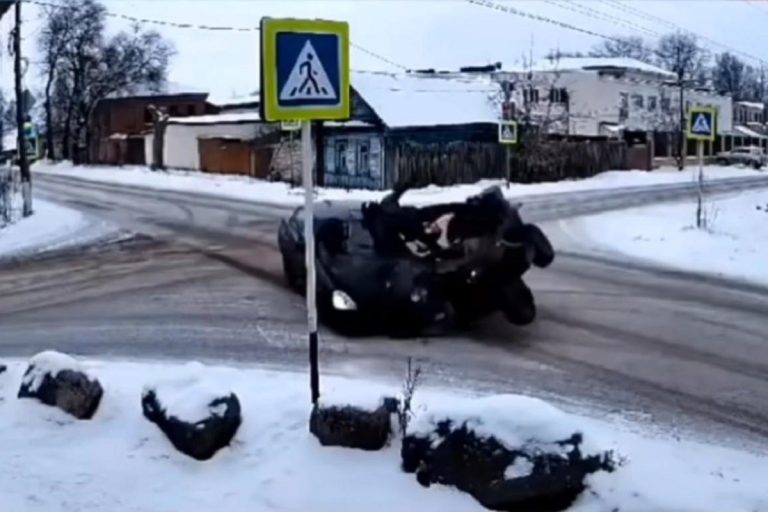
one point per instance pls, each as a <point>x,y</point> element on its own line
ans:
<point>119,461</point>
<point>263,192</point>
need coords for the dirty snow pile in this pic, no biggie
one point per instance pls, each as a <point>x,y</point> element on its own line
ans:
<point>249,189</point>
<point>120,461</point>
<point>733,244</point>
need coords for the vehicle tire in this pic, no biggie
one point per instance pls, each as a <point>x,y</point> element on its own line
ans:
<point>756,165</point>
<point>722,161</point>
<point>517,303</point>
<point>544,253</point>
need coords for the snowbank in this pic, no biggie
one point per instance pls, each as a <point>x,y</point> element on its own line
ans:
<point>514,420</point>
<point>244,188</point>
<point>50,227</point>
<point>187,396</point>
<point>50,363</point>
<point>735,245</point>
<point>51,462</point>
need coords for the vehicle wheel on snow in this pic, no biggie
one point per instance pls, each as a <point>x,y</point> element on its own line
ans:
<point>722,161</point>
<point>544,253</point>
<point>518,304</point>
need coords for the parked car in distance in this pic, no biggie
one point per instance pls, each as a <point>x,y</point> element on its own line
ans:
<point>753,156</point>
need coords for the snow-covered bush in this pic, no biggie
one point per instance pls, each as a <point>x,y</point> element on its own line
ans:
<point>58,380</point>
<point>199,415</point>
<point>509,452</point>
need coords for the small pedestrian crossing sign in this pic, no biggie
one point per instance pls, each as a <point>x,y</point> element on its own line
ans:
<point>702,123</point>
<point>508,132</point>
<point>304,70</point>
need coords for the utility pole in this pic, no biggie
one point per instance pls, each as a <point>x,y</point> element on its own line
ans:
<point>681,137</point>
<point>507,116</point>
<point>26,178</point>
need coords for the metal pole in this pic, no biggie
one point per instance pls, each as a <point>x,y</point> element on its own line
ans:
<point>26,178</point>
<point>307,159</point>
<point>681,142</point>
<point>700,186</point>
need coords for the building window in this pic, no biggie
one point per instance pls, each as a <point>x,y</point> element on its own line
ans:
<point>558,95</point>
<point>530,95</point>
<point>147,115</point>
<point>637,101</point>
<point>173,111</point>
<point>666,105</point>
<point>623,100</point>
<point>341,157</point>
<point>652,100</point>
<point>190,110</point>
<point>364,158</point>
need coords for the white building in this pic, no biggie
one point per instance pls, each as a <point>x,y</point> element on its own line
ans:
<point>214,143</point>
<point>606,96</point>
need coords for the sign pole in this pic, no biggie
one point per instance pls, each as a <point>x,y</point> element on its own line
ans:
<point>700,184</point>
<point>307,161</point>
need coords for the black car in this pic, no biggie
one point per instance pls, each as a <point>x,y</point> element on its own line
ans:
<point>408,270</point>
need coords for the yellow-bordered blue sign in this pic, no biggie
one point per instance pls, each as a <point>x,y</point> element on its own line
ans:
<point>304,70</point>
<point>507,132</point>
<point>702,123</point>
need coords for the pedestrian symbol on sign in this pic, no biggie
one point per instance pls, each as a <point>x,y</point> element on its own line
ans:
<point>308,78</point>
<point>508,132</point>
<point>701,123</point>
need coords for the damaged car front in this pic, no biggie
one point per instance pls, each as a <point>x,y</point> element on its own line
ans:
<point>406,270</point>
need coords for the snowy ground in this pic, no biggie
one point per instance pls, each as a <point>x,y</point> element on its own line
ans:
<point>735,245</point>
<point>240,187</point>
<point>119,461</point>
<point>51,227</point>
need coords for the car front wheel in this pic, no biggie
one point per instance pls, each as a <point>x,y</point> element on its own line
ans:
<point>517,303</point>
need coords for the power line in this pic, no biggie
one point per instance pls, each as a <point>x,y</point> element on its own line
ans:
<point>633,11</point>
<point>589,11</point>
<point>544,19</point>
<point>214,28</point>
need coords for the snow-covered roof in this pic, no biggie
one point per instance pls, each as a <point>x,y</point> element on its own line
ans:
<point>413,100</point>
<point>751,104</point>
<point>743,130</point>
<point>589,63</point>
<point>169,89</point>
<point>235,102</point>
<point>233,118</point>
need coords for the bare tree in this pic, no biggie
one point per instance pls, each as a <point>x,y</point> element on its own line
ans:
<point>633,47</point>
<point>681,54</point>
<point>84,67</point>
<point>729,76</point>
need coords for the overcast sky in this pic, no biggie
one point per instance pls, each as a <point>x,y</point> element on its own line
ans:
<point>414,33</point>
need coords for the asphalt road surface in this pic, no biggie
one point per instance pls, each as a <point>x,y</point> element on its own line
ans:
<point>202,280</point>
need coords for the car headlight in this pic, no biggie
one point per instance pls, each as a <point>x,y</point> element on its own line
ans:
<point>342,301</point>
<point>419,294</point>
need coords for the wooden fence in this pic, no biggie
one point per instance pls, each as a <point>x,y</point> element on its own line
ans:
<point>467,162</point>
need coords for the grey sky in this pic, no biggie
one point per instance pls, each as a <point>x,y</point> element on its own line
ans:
<point>416,33</point>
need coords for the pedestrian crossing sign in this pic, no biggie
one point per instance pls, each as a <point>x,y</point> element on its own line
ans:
<point>702,123</point>
<point>304,70</point>
<point>508,132</point>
